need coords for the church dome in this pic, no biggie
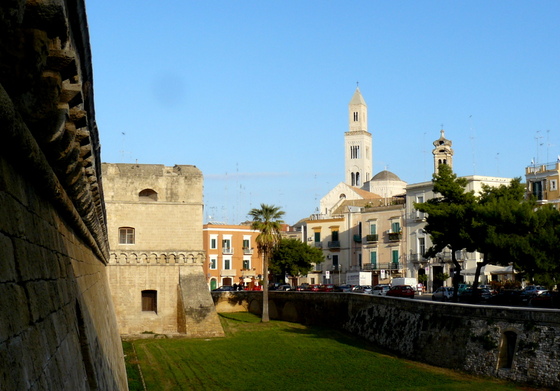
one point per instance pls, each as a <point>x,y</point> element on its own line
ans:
<point>385,176</point>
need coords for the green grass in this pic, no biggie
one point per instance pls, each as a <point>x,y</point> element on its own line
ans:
<point>283,356</point>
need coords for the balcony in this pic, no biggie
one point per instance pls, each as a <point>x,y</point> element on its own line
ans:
<point>334,244</point>
<point>395,236</point>
<point>227,251</point>
<point>228,273</point>
<point>357,239</point>
<point>318,244</point>
<point>417,258</point>
<point>247,251</point>
<point>382,266</point>
<point>372,238</point>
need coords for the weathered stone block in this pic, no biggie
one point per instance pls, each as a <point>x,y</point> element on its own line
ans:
<point>13,309</point>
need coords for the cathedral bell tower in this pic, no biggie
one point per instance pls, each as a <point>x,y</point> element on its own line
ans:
<point>443,153</point>
<point>357,143</point>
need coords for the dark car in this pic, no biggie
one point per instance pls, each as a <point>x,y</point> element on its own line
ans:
<point>401,291</point>
<point>509,297</point>
<point>284,287</point>
<point>225,288</point>
<point>343,288</point>
<point>481,295</point>
<point>546,299</point>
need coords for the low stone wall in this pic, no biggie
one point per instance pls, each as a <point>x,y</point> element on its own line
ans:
<point>517,344</point>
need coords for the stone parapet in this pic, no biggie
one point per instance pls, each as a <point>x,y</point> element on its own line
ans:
<point>139,257</point>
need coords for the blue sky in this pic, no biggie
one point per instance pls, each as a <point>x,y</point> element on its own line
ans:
<point>255,93</point>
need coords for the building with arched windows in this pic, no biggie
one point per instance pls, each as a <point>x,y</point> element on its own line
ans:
<point>156,252</point>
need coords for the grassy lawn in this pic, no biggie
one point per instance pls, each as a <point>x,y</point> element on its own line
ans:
<point>283,356</point>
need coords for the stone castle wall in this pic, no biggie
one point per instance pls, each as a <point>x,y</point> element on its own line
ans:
<point>163,206</point>
<point>58,328</point>
<point>517,344</point>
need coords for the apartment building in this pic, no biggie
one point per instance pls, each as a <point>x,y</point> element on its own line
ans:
<point>232,257</point>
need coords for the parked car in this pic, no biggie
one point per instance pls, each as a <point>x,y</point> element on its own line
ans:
<point>547,299</point>
<point>343,288</point>
<point>302,287</point>
<point>225,288</point>
<point>462,288</point>
<point>443,293</point>
<point>313,288</point>
<point>510,297</point>
<point>534,289</point>
<point>531,291</point>
<point>284,287</point>
<point>401,291</point>
<point>380,290</point>
<point>326,288</point>
<point>362,289</point>
<point>479,296</point>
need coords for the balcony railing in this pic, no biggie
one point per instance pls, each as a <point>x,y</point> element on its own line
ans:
<point>382,266</point>
<point>394,236</point>
<point>247,251</point>
<point>318,244</point>
<point>227,251</point>
<point>372,238</point>
<point>357,239</point>
<point>228,272</point>
<point>334,244</point>
<point>417,258</point>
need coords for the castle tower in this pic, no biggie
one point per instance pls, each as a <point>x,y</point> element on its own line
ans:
<point>357,143</point>
<point>443,153</point>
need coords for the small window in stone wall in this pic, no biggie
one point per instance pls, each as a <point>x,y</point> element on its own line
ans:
<point>126,235</point>
<point>148,195</point>
<point>507,349</point>
<point>149,300</point>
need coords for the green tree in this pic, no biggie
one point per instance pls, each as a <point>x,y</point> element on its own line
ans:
<point>503,219</point>
<point>295,258</point>
<point>542,265</point>
<point>267,220</point>
<point>449,217</point>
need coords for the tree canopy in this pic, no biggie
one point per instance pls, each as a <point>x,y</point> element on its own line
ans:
<point>295,258</point>
<point>499,223</point>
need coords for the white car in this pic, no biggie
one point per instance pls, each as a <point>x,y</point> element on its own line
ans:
<point>443,293</point>
<point>380,290</point>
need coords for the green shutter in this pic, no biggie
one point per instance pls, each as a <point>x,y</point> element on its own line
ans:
<point>373,259</point>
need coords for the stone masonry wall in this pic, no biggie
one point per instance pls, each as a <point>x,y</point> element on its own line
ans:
<point>517,344</point>
<point>58,328</point>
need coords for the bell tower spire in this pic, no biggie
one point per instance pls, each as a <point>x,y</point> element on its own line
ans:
<point>443,153</point>
<point>358,143</point>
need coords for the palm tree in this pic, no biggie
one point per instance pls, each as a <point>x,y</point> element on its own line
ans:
<point>267,220</point>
